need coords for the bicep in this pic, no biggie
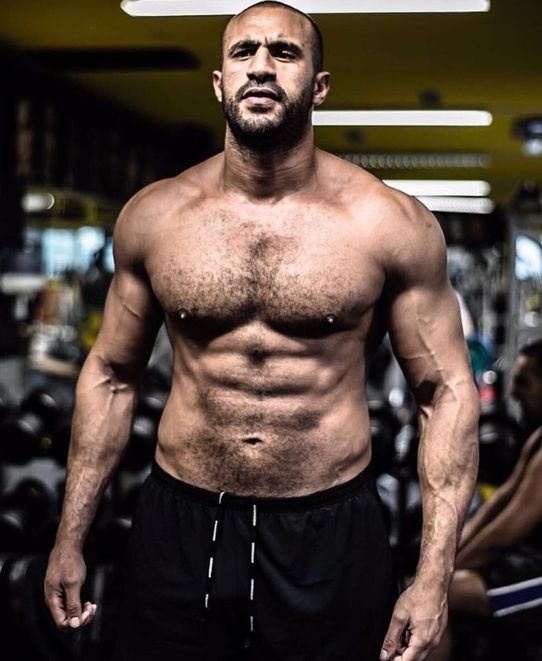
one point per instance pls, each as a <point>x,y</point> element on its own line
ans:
<point>424,321</point>
<point>131,320</point>
<point>132,315</point>
<point>427,337</point>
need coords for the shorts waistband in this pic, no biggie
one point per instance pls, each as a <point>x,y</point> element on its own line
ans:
<point>362,481</point>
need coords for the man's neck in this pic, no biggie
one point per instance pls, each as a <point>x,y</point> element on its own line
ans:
<point>267,174</point>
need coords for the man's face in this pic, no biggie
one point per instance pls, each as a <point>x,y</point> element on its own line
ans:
<point>268,85</point>
<point>526,388</point>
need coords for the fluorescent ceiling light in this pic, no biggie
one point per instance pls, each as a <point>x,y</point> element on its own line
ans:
<point>532,147</point>
<point>401,118</point>
<point>440,187</point>
<point>16,284</point>
<point>226,7</point>
<point>35,202</point>
<point>458,204</point>
<point>417,160</point>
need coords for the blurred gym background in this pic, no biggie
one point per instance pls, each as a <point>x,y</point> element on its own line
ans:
<point>97,100</point>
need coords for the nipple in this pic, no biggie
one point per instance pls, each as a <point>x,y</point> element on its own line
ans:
<point>330,319</point>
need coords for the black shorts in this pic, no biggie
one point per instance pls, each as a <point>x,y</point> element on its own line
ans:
<point>305,578</point>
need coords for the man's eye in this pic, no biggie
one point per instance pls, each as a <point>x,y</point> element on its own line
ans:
<point>242,53</point>
<point>286,53</point>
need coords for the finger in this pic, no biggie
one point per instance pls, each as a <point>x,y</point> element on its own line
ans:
<point>416,651</point>
<point>421,643</point>
<point>55,602</point>
<point>86,612</point>
<point>73,604</point>
<point>393,637</point>
<point>89,609</point>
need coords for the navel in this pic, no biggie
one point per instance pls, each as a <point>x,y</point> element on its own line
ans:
<point>252,440</point>
<point>257,356</point>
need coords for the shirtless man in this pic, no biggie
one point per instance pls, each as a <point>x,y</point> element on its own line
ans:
<point>501,545</point>
<point>277,269</point>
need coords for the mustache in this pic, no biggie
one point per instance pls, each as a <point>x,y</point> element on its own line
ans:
<point>272,87</point>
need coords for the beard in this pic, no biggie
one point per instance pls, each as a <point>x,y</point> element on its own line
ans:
<point>260,130</point>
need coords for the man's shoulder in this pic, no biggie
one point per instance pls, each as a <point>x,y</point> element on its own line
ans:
<point>151,211</point>
<point>173,193</point>
<point>369,198</point>
<point>155,206</point>
<point>397,212</point>
<point>400,228</point>
<point>413,241</point>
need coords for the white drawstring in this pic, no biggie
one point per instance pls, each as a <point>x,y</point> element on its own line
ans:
<point>252,560</point>
<point>213,550</point>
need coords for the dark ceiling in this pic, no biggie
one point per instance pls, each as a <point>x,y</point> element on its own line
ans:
<point>490,61</point>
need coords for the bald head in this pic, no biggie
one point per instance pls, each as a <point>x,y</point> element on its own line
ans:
<point>270,79</point>
<point>317,41</point>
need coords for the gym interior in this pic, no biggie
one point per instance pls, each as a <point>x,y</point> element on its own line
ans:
<point>442,100</point>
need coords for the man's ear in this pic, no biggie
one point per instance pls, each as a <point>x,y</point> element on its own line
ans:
<point>217,85</point>
<point>321,87</point>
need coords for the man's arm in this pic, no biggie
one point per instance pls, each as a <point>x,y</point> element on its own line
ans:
<point>105,400</point>
<point>500,499</point>
<point>521,515</point>
<point>427,338</point>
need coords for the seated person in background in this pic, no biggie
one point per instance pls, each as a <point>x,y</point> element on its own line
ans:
<point>527,386</point>
<point>501,545</point>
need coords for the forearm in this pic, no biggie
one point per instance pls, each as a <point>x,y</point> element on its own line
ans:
<point>102,420</point>
<point>447,467</point>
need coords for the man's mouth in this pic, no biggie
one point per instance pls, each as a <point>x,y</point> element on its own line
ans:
<point>260,93</point>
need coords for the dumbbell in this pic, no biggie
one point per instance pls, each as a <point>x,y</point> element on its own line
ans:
<point>57,444</point>
<point>6,404</point>
<point>27,516</point>
<point>24,435</point>
<point>407,444</point>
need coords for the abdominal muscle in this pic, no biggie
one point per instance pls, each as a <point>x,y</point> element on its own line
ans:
<point>288,427</point>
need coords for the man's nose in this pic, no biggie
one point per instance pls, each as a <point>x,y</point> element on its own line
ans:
<point>262,66</point>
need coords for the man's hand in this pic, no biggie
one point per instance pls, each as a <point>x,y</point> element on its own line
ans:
<point>66,573</point>
<point>417,624</point>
